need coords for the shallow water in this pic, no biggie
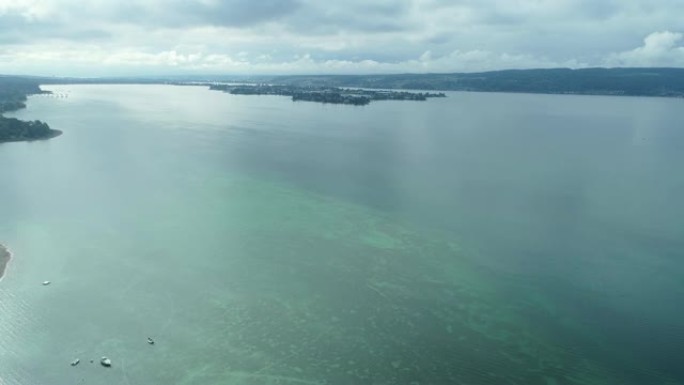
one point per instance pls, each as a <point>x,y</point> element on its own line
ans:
<point>477,239</point>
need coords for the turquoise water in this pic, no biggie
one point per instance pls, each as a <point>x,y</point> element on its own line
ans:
<point>477,239</point>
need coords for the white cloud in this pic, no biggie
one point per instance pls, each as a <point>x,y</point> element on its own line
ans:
<point>660,49</point>
<point>30,10</point>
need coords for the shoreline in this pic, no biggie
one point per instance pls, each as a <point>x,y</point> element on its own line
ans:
<point>53,134</point>
<point>5,257</point>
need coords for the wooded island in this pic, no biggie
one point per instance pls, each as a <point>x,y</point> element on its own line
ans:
<point>332,95</point>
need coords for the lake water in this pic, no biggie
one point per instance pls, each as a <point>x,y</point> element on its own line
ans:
<point>477,239</point>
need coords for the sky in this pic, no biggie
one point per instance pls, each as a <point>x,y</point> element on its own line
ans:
<point>245,37</point>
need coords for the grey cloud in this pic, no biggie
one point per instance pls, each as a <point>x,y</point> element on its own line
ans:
<point>600,9</point>
<point>10,24</point>
<point>391,33</point>
<point>87,35</point>
<point>352,16</point>
<point>183,13</point>
<point>501,12</point>
<point>439,38</point>
<point>17,29</point>
<point>229,12</point>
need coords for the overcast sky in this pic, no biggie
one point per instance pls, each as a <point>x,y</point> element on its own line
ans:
<point>120,37</point>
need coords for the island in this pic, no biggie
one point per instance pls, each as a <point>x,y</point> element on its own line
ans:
<point>5,257</point>
<point>13,94</point>
<point>332,95</point>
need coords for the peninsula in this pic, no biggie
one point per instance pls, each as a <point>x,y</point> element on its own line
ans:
<point>5,256</point>
<point>332,95</point>
<point>13,93</point>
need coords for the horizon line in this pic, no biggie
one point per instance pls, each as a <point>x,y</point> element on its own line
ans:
<point>243,75</point>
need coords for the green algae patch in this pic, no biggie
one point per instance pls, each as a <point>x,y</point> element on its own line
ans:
<point>325,291</point>
<point>256,282</point>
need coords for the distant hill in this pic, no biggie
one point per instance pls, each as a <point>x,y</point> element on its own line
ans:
<point>592,81</point>
<point>667,82</point>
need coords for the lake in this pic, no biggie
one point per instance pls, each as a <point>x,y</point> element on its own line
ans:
<point>476,239</point>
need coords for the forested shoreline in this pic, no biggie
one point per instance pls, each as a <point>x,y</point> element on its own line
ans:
<point>13,95</point>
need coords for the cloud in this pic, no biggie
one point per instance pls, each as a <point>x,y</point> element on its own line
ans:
<point>28,20</point>
<point>188,13</point>
<point>660,49</point>
<point>354,35</point>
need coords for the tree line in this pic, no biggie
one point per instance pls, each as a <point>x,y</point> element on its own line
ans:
<point>13,93</point>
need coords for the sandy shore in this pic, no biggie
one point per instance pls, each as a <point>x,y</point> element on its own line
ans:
<point>5,257</point>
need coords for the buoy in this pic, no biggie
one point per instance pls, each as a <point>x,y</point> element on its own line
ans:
<point>106,362</point>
